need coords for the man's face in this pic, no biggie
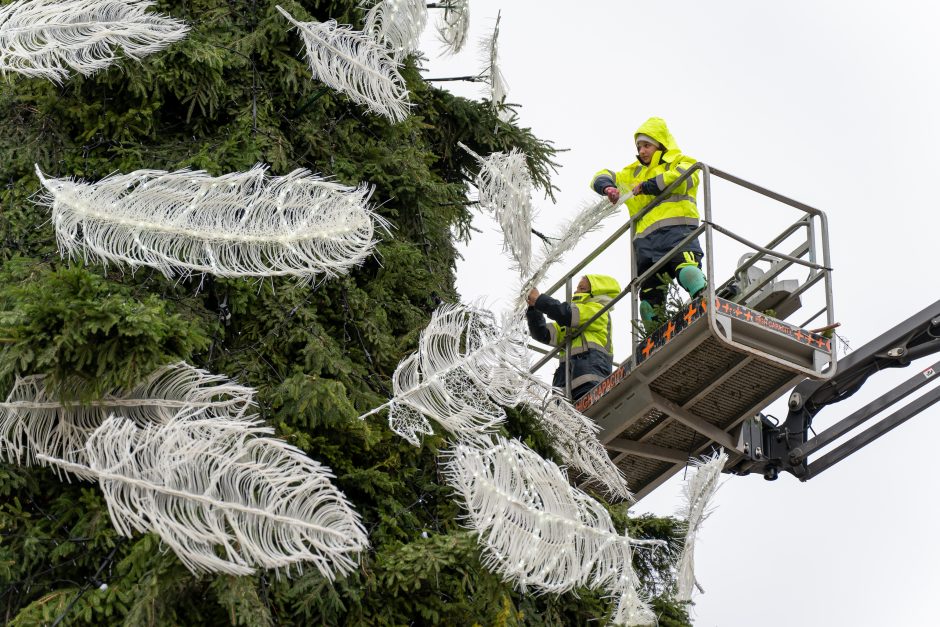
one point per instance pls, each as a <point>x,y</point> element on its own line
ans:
<point>584,286</point>
<point>646,150</point>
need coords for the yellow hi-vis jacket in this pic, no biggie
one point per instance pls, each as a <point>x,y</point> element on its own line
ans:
<point>582,308</point>
<point>664,168</point>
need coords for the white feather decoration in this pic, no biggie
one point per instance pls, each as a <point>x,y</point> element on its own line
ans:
<point>454,24</point>
<point>631,609</point>
<point>456,378</point>
<point>466,368</point>
<point>489,48</point>
<point>698,491</point>
<point>244,224</point>
<point>47,38</point>
<point>505,190</point>
<point>570,235</point>
<point>505,187</point>
<point>574,439</point>
<point>397,24</point>
<point>353,63</point>
<point>224,499</point>
<point>34,420</point>
<point>534,528</point>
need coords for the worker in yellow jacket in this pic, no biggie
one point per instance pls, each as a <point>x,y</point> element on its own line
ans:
<point>592,351</point>
<point>659,163</point>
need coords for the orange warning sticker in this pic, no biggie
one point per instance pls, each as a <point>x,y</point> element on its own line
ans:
<point>601,389</point>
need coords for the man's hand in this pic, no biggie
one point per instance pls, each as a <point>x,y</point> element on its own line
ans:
<point>638,190</point>
<point>613,194</point>
<point>532,297</point>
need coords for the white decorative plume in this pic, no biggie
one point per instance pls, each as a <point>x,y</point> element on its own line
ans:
<point>353,63</point>
<point>489,48</point>
<point>535,529</point>
<point>243,224</point>
<point>454,24</point>
<point>466,369</point>
<point>458,375</point>
<point>223,498</point>
<point>631,609</point>
<point>505,186</point>
<point>34,420</point>
<point>570,234</point>
<point>573,437</point>
<point>397,24</point>
<point>698,491</point>
<point>505,190</point>
<point>47,38</point>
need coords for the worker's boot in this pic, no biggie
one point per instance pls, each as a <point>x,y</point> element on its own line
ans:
<point>648,316</point>
<point>692,279</point>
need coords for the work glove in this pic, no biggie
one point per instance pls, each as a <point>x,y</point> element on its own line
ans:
<point>613,194</point>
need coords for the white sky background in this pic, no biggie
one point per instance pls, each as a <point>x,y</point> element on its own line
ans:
<point>834,104</point>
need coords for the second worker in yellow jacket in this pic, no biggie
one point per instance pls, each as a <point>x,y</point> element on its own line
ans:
<point>592,351</point>
<point>659,163</point>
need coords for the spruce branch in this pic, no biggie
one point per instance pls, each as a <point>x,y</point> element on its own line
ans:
<point>47,38</point>
<point>243,224</point>
<point>353,63</point>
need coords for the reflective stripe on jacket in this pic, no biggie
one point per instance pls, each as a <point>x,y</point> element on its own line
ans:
<point>664,168</point>
<point>590,367</point>
<point>582,308</point>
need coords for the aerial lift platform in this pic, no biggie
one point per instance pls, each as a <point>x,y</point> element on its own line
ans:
<point>697,381</point>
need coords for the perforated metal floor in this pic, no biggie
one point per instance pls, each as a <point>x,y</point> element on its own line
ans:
<point>691,388</point>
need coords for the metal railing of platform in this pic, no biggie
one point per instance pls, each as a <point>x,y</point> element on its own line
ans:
<point>813,253</point>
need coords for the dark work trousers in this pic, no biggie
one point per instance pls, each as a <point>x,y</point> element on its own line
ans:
<point>590,362</point>
<point>652,248</point>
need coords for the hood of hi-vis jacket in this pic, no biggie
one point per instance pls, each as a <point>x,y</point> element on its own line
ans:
<point>657,129</point>
<point>601,285</point>
<point>679,208</point>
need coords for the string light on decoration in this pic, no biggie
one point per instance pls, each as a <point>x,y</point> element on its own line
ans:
<point>505,190</point>
<point>489,48</point>
<point>570,235</point>
<point>459,374</point>
<point>454,24</point>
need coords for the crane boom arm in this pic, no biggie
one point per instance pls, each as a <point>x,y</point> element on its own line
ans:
<point>786,447</point>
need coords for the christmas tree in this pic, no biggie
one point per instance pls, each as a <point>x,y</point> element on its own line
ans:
<point>236,92</point>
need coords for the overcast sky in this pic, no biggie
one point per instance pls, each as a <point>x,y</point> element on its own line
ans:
<point>834,104</point>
